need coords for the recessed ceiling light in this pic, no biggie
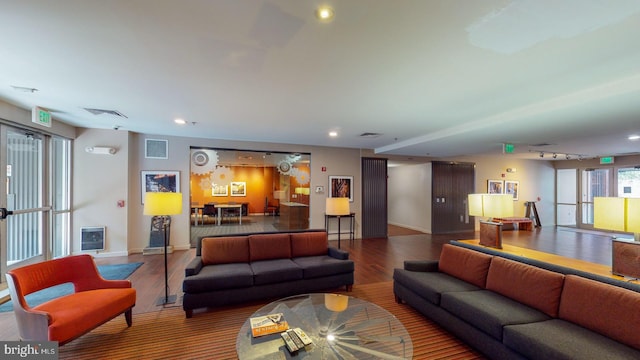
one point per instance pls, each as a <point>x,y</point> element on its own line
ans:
<point>179,121</point>
<point>634,137</point>
<point>333,133</point>
<point>324,13</point>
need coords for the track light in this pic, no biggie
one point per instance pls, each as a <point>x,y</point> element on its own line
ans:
<point>541,154</point>
<point>568,156</point>
<point>555,155</point>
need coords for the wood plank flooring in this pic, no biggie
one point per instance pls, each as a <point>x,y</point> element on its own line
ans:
<point>375,260</point>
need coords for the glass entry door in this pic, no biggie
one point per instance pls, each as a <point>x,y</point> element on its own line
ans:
<point>595,183</point>
<point>23,237</point>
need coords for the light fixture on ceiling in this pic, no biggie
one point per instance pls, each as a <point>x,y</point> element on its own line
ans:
<point>333,133</point>
<point>325,13</point>
<point>179,121</point>
<point>555,155</point>
<point>541,154</point>
<point>634,137</point>
<point>568,156</point>
<point>24,89</point>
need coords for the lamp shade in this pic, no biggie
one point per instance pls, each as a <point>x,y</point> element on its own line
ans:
<point>279,194</point>
<point>491,205</point>
<point>617,214</point>
<point>338,206</point>
<point>162,203</point>
<point>632,217</point>
<point>475,205</point>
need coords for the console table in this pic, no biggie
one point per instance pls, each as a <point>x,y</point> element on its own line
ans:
<point>351,216</point>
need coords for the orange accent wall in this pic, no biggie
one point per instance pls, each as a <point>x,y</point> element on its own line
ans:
<point>260,184</point>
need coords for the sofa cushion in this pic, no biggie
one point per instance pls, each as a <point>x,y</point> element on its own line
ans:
<point>320,266</point>
<point>527,284</point>
<point>275,271</point>
<point>468,265</point>
<point>562,340</point>
<point>217,277</point>
<point>309,244</point>
<point>609,310</point>
<point>489,311</point>
<point>225,250</point>
<point>430,285</point>
<point>269,246</point>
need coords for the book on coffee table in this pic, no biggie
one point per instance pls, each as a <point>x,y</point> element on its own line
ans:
<point>268,324</point>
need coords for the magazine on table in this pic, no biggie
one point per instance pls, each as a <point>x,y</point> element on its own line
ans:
<point>268,324</point>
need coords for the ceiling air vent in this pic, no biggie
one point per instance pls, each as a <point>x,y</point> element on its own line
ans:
<point>370,135</point>
<point>109,112</point>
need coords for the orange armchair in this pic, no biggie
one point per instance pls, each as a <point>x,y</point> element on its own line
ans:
<point>94,301</point>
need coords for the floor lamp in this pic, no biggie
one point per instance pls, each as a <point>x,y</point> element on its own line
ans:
<point>164,204</point>
<point>338,207</point>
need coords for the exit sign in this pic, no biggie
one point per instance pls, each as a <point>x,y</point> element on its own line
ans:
<point>508,148</point>
<point>606,160</point>
<point>41,116</point>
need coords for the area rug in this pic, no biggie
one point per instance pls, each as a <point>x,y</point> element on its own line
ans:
<point>109,272</point>
<point>168,334</point>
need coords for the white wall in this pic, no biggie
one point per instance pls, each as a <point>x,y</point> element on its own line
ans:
<point>409,196</point>
<point>99,181</point>
<point>117,177</point>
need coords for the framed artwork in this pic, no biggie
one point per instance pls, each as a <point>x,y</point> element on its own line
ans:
<point>220,190</point>
<point>341,186</point>
<point>92,238</point>
<point>495,186</point>
<point>512,187</point>
<point>159,181</point>
<point>238,188</point>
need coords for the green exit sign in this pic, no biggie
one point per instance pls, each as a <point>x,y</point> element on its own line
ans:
<point>508,148</point>
<point>41,116</point>
<point>606,160</point>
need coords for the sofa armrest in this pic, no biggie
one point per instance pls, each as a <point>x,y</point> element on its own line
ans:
<point>421,265</point>
<point>193,267</point>
<point>338,254</point>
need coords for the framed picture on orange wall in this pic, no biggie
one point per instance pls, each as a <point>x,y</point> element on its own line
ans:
<point>238,188</point>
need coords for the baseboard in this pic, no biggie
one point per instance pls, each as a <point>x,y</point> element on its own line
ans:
<point>99,254</point>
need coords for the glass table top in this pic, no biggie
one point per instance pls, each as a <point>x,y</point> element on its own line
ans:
<point>354,329</point>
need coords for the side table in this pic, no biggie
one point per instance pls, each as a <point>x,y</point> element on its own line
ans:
<point>351,216</point>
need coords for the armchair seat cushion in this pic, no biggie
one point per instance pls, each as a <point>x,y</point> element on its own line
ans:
<point>275,271</point>
<point>75,313</point>
<point>219,277</point>
<point>319,266</point>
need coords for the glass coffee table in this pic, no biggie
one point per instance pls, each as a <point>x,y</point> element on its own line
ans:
<point>354,329</point>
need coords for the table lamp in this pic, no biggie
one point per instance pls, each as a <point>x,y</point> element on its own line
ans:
<point>164,204</point>
<point>491,206</point>
<point>338,207</point>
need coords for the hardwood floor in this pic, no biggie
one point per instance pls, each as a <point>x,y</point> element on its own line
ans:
<point>375,260</point>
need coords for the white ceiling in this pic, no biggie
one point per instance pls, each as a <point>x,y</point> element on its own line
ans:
<point>435,78</point>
